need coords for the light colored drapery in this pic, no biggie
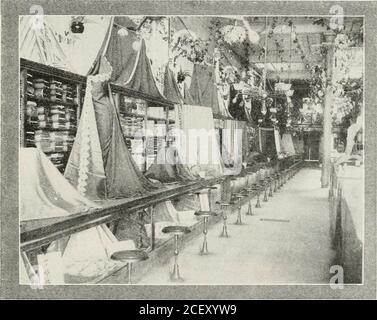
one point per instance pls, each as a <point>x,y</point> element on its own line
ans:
<point>44,193</point>
<point>287,144</point>
<point>232,142</point>
<point>197,144</point>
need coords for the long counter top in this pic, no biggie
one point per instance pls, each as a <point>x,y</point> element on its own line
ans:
<point>36,233</point>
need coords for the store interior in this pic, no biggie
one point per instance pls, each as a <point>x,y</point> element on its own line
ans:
<point>191,150</point>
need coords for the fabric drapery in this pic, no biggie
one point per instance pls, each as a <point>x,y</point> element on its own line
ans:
<point>85,167</point>
<point>232,142</point>
<point>199,147</point>
<point>121,49</point>
<point>44,193</point>
<point>169,167</point>
<point>287,144</point>
<point>298,144</point>
<point>86,255</point>
<point>123,178</point>
<point>203,87</point>
<point>188,99</point>
<point>269,141</point>
<point>171,90</point>
<point>142,79</point>
<point>39,43</point>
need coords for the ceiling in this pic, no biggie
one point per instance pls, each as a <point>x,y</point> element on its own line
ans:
<point>295,58</point>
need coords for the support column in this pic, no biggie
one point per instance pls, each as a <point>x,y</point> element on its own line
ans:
<point>327,121</point>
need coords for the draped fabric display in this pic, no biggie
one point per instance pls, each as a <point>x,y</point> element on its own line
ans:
<point>245,140</point>
<point>199,148</point>
<point>171,90</point>
<point>203,88</point>
<point>232,142</point>
<point>287,144</point>
<point>39,43</point>
<point>142,78</point>
<point>298,144</point>
<point>188,99</point>
<point>165,214</point>
<point>277,141</point>
<point>269,142</point>
<point>121,48</point>
<point>86,255</point>
<point>85,167</point>
<point>169,167</point>
<point>44,193</point>
<point>123,178</point>
<point>126,53</point>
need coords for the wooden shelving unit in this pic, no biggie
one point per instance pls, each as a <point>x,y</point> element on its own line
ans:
<point>39,120</point>
<point>50,102</point>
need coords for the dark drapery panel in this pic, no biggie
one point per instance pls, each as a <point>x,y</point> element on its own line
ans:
<point>171,90</point>
<point>123,178</point>
<point>203,88</point>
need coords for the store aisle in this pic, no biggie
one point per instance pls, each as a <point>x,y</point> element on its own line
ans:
<point>295,250</point>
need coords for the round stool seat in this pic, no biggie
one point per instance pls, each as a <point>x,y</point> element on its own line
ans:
<point>129,256</point>
<point>238,196</point>
<point>176,230</point>
<point>205,213</point>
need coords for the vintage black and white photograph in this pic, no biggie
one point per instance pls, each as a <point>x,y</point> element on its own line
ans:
<point>191,150</point>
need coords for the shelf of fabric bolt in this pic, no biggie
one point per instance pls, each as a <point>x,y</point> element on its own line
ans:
<point>37,233</point>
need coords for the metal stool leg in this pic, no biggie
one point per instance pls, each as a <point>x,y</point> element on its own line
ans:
<point>265,199</point>
<point>258,201</point>
<point>129,266</point>
<point>224,233</point>
<point>270,187</point>
<point>205,231</point>
<point>239,220</point>
<point>249,209</point>
<point>175,276</point>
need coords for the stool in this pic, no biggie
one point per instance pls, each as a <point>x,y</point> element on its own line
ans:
<point>238,196</point>
<point>265,187</point>
<point>279,181</point>
<point>223,206</point>
<point>130,257</point>
<point>270,179</point>
<point>276,179</point>
<point>249,207</point>
<point>205,215</point>
<point>176,231</point>
<point>256,187</point>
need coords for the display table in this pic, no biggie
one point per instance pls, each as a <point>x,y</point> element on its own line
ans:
<point>347,219</point>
